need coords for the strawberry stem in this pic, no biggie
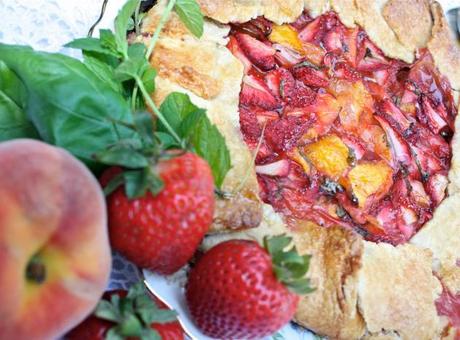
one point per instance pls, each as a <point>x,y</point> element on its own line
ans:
<point>289,267</point>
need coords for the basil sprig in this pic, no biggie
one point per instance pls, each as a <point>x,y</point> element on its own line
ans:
<point>98,108</point>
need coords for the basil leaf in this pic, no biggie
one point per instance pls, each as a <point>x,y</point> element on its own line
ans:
<point>137,51</point>
<point>192,124</point>
<point>69,105</point>
<point>91,45</point>
<point>108,40</point>
<point>167,141</point>
<point>144,126</point>
<point>175,108</point>
<point>122,155</point>
<point>148,78</point>
<point>122,25</point>
<point>209,144</point>
<point>190,14</point>
<point>131,68</point>
<point>103,71</point>
<point>13,121</point>
<point>12,86</point>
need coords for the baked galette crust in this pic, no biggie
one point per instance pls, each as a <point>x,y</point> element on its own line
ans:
<point>364,290</point>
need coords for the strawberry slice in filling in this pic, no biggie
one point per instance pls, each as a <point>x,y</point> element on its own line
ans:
<point>348,136</point>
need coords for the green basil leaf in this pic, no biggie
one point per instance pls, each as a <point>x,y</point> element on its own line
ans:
<point>166,140</point>
<point>103,71</point>
<point>12,86</point>
<point>192,123</point>
<point>108,40</point>
<point>13,121</point>
<point>131,68</point>
<point>123,156</point>
<point>175,108</point>
<point>122,23</point>
<point>208,143</point>
<point>144,126</point>
<point>190,14</point>
<point>137,51</point>
<point>148,78</point>
<point>107,311</point>
<point>91,45</point>
<point>67,103</point>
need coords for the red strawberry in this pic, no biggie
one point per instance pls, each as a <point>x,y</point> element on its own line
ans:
<point>162,232</point>
<point>236,292</point>
<point>263,56</point>
<point>310,75</point>
<point>301,96</point>
<point>145,315</point>
<point>255,93</point>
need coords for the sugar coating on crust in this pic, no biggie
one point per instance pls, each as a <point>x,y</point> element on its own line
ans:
<point>397,289</point>
<point>442,234</point>
<point>335,263</point>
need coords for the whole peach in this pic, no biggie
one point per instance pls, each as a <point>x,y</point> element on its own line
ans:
<point>54,250</point>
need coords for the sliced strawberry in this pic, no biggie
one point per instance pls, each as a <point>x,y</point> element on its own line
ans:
<point>258,28</point>
<point>311,31</point>
<point>278,168</point>
<point>302,21</point>
<point>264,117</point>
<point>427,162</point>
<point>255,92</point>
<point>301,96</point>
<point>431,116</point>
<point>333,40</point>
<point>249,125</point>
<point>370,58</point>
<point>283,134</point>
<point>262,55</point>
<point>310,75</point>
<point>396,117</point>
<point>399,148</point>
<point>350,45</point>
<point>376,90</point>
<point>286,56</point>
<point>436,187</point>
<point>236,50</point>
<point>313,53</point>
<point>344,71</point>
<point>280,82</point>
<point>418,194</point>
<point>381,76</point>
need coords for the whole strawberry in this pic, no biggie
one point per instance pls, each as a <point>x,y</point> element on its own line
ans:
<point>128,315</point>
<point>236,290</point>
<point>161,232</point>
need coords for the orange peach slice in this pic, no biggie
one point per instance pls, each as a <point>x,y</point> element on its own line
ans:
<point>287,36</point>
<point>370,179</point>
<point>54,249</point>
<point>356,103</point>
<point>329,155</point>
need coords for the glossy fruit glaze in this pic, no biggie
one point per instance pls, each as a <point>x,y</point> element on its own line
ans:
<point>344,135</point>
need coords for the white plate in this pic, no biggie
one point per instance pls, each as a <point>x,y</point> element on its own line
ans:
<point>170,292</point>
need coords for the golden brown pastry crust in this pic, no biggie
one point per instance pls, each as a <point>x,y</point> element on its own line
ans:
<point>362,288</point>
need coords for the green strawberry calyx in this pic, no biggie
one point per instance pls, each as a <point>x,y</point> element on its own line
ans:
<point>133,315</point>
<point>289,266</point>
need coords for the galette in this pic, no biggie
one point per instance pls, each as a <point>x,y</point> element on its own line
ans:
<point>341,120</point>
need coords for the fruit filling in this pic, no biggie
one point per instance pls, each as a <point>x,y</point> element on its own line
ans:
<point>344,135</point>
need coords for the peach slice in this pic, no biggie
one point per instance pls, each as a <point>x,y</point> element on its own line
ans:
<point>54,249</point>
<point>329,155</point>
<point>370,179</point>
<point>356,103</point>
<point>287,36</point>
